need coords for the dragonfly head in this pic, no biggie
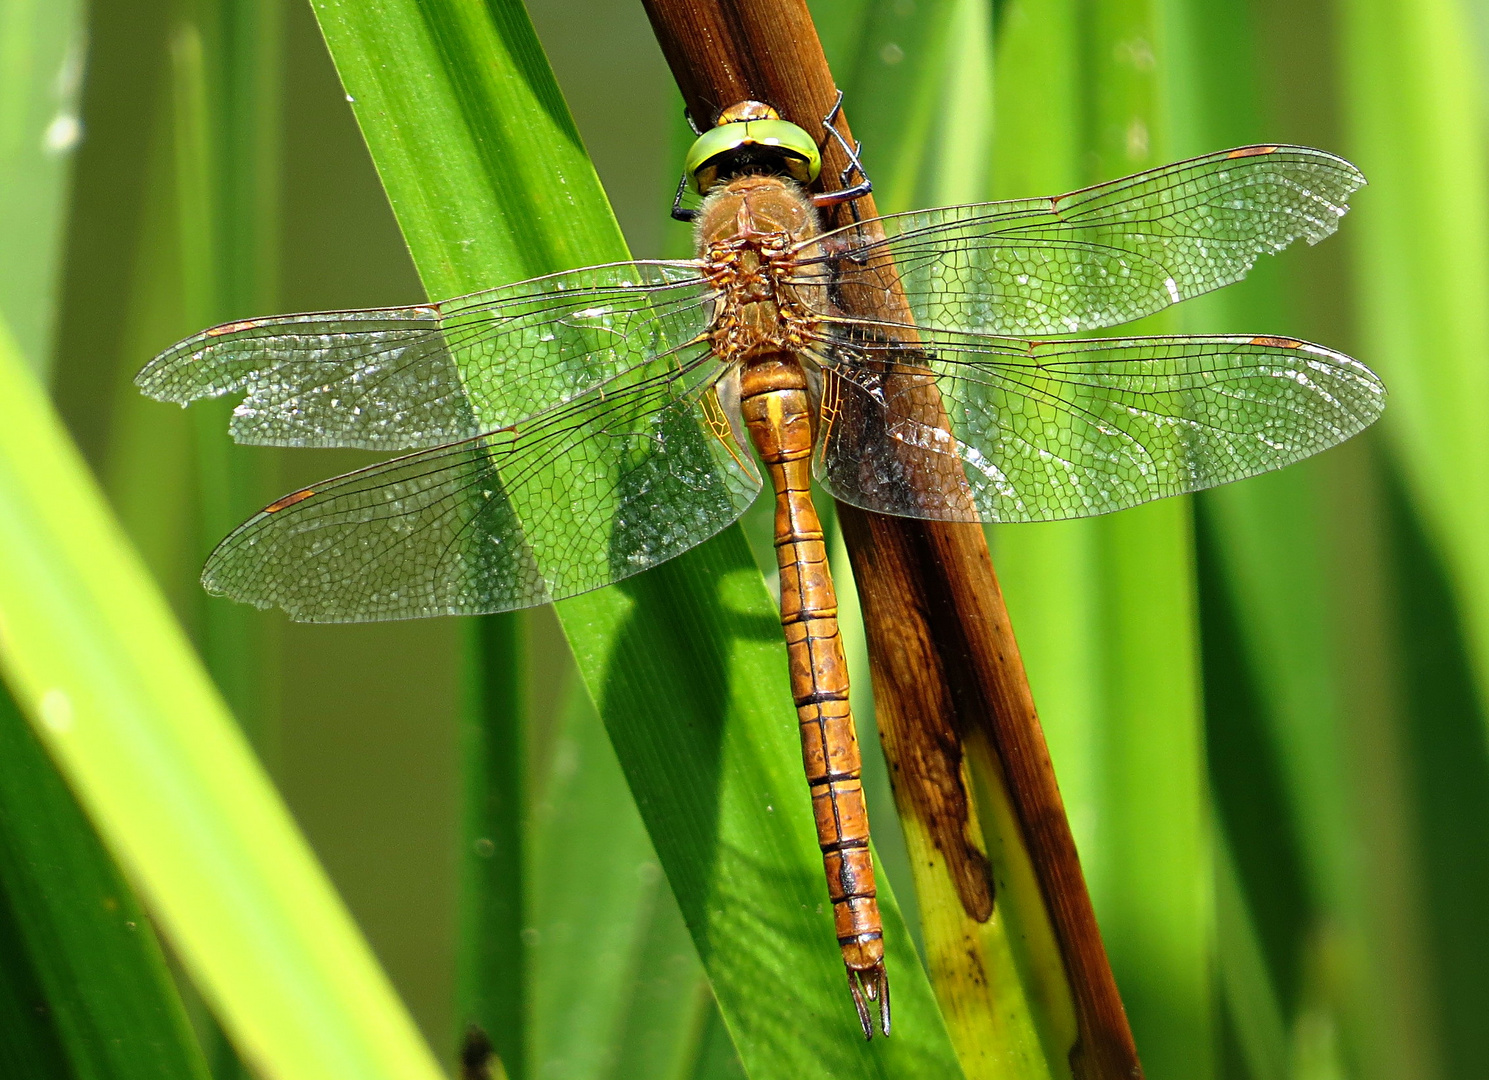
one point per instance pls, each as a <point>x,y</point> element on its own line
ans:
<point>751,137</point>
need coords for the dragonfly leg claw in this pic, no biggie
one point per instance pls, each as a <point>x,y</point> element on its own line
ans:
<point>866,985</point>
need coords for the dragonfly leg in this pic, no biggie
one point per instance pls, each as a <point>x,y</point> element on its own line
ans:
<point>680,212</point>
<point>848,192</point>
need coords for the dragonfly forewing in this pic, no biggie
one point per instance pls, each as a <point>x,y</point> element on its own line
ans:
<point>1097,257</point>
<point>1040,431</point>
<point>600,488</point>
<point>405,378</point>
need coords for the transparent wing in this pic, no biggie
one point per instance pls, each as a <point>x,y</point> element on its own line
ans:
<point>1037,431</point>
<point>1098,257</point>
<point>598,489</point>
<point>402,378</point>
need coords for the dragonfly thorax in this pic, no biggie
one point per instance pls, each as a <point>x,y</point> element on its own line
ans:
<point>749,235</point>
<point>756,204</point>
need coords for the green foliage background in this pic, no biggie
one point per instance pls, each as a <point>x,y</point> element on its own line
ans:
<point>1266,705</point>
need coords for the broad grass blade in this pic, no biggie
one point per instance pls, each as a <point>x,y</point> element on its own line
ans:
<point>88,992</point>
<point>485,171</point>
<point>107,680</point>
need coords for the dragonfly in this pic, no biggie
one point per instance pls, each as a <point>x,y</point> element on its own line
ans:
<point>563,433</point>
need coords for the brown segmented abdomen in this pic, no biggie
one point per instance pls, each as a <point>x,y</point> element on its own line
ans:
<point>777,411</point>
<point>747,230</point>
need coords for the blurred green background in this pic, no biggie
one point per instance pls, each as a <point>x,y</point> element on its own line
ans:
<point>1266,705</point>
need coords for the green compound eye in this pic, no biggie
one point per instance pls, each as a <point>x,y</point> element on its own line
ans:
<point>774,139</point>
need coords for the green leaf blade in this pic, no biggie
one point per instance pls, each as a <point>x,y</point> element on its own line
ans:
<point>95,660</point>
<point>685,662</point>
<point>103,1002</point>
